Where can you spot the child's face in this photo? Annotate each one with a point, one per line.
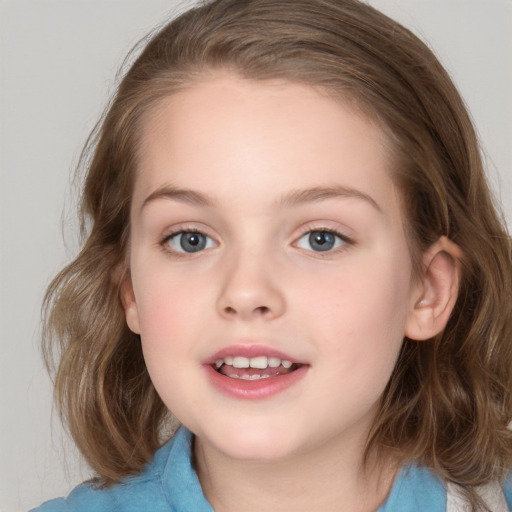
(293, 250)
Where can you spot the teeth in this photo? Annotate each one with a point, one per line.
(274, 362)
(260, 362)
(254, 377)
(240, 362)
(248, 377)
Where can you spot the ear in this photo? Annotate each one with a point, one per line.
(129, 303)
(437, 290)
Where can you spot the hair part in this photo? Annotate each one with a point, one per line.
(449, 401)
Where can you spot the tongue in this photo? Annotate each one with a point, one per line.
(241, 372)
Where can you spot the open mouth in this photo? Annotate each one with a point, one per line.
(254, 368)
(246, 374)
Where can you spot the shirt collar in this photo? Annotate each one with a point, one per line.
(179, 479)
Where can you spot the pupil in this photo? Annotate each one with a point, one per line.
(192, 242)
(321, 240)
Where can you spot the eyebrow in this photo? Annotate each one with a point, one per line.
(317, 194)
(181, 195)
(292, 198)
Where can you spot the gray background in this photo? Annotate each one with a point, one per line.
(58, 61)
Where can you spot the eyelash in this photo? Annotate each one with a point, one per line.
(165, 246)
(343, 241)
(346, 241)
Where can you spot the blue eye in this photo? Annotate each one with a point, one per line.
(189, 241)
(320, 241)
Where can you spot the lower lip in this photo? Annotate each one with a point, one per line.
(255, 389)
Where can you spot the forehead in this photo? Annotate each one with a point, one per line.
(227, 134)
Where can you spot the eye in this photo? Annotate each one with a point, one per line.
(321, 241)
(189, 241)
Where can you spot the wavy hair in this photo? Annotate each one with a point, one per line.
(449, 400)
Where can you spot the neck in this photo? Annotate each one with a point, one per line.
(332, 478)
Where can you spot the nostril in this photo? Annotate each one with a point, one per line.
(260, 310)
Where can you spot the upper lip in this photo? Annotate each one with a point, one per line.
(250, 351)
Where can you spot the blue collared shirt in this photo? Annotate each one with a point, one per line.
(170, 484)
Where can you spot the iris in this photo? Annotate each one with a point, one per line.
(192, 242)
(322, 240)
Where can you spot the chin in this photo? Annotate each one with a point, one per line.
(252, 444)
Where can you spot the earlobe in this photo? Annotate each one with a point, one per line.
(129, 304)
(437, 291)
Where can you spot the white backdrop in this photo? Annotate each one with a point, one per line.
(58, 60)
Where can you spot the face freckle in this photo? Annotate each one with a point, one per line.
(309, 326)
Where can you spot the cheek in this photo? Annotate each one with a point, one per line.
(168, 331)
(372, 296)
(169, 308)
(361, 312)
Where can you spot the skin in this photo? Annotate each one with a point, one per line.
(247, 150)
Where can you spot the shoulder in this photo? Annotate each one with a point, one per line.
(414, 487)
(507, 490)
(84, 497)
(139, 492)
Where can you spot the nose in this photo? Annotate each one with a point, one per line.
(250, 289)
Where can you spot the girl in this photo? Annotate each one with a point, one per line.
(292, 249)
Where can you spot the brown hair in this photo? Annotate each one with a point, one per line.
(449, 400)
